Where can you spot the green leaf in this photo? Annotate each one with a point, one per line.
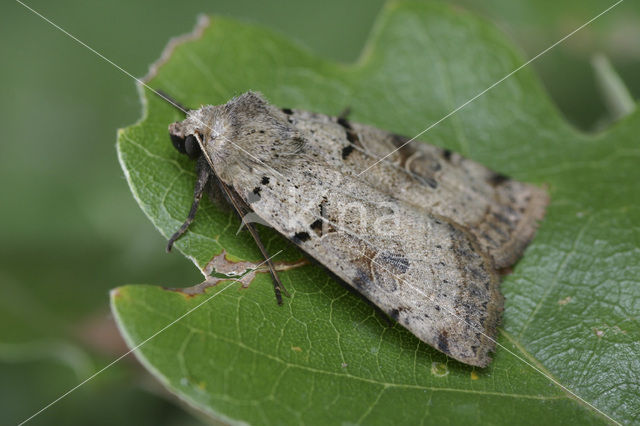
(327, 356)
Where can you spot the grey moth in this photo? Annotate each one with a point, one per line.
(421, 234)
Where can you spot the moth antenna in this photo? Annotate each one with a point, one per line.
(170, 99)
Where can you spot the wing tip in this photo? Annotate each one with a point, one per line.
(534, 212)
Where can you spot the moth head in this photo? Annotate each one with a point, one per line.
(183, 141)
(244, 131)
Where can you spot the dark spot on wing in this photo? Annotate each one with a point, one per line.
(362, 279)
(287, 111)
(316, 226)
(352, 137)
(404, 150)
(395, 263)
(443, 342)
(428, 181)
(253, 196)
(501, 218)
(399, 140)
(475, 272)
(394, 314)
(265, 180)
(498, 178)
(299, 142)
(346, 151)
(490, 240)
(344, 123)
(498, 230)
(300, 237)
(446, 154)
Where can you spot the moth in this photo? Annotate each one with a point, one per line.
(422, 234)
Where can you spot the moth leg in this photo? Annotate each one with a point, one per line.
(204, 173)
(278, 288)
(241, 208)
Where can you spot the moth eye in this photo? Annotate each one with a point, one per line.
(178, 143)
(192, 149)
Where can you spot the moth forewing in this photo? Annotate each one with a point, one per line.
(411, 236)
(429, 274)
(500, 212)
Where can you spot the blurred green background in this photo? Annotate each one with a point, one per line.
(69, 227)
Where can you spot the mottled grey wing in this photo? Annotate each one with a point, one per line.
(428, 273)
(500, 212)
(434, 280)
(424, 269)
